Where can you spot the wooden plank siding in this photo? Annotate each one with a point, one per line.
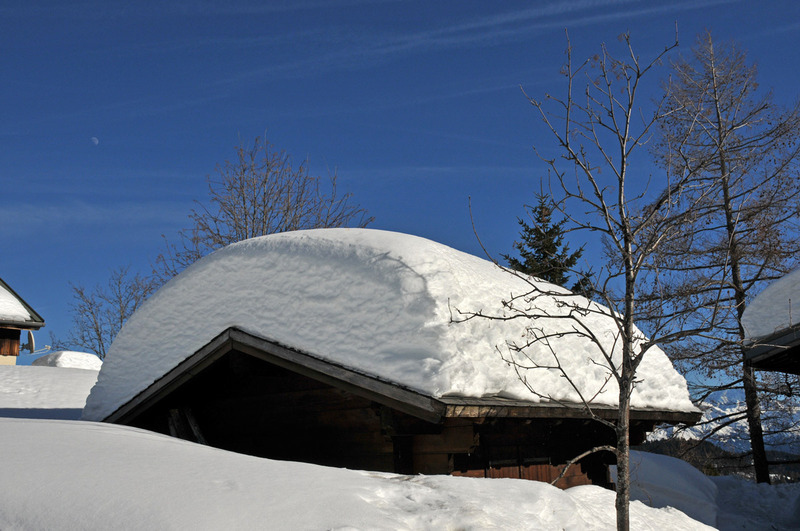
(9, 342)
(577, 474)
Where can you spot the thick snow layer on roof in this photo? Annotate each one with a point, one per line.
(376, 301)
(70, 359)
(775, 308)
(11, 309)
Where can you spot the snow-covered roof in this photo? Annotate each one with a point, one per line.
(774, 309)
(70, 360)
(375, 301)
(16, 312)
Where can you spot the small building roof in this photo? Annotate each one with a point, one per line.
(15, 312)
(772, 326)
(775, 309)
(379, 304)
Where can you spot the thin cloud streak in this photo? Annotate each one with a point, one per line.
(28, 219)
(424, 172)
(525, 25)
(92, 10)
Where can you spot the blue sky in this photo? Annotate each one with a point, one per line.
(114, 113)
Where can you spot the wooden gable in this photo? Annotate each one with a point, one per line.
(10, 328)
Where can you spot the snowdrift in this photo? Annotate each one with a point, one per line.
(70, 360)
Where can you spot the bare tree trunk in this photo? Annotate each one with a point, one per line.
(623, 499)
(753, 403)
(748, 377)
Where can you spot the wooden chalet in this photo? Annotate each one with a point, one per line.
(252, 395)
(337, 347)
(16, 316)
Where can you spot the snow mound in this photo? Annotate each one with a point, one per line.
(664, 481)
(776, 308)
(85, 475)
(44, 392)
(382, 303)
(11, 309)
(757, 506)
(69, 359)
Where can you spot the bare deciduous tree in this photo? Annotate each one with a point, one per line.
(99, 313)
(742, 152)
(598, 140)
(600, 129)
(259, 192)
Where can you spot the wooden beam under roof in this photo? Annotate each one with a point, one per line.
(379, 390)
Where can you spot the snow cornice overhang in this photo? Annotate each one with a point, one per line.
(380, 390)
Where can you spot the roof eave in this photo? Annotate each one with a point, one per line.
(34, 323)
(382, 391)
(22, 325)
(501, 407)
(776, 352)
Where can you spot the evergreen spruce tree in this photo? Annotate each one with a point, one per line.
(542, 250)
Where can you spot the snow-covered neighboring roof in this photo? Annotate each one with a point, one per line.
(15, 311)
(70, 360)
(375, 301)
(774, 309)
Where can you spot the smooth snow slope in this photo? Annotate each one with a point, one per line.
(380, 302)
(44, 392)
(86, 476)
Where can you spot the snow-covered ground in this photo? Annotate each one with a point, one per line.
(59, 474)
(84, 475)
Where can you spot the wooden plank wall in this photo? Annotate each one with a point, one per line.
(247, 405)
(536, 472)
(9, 342)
